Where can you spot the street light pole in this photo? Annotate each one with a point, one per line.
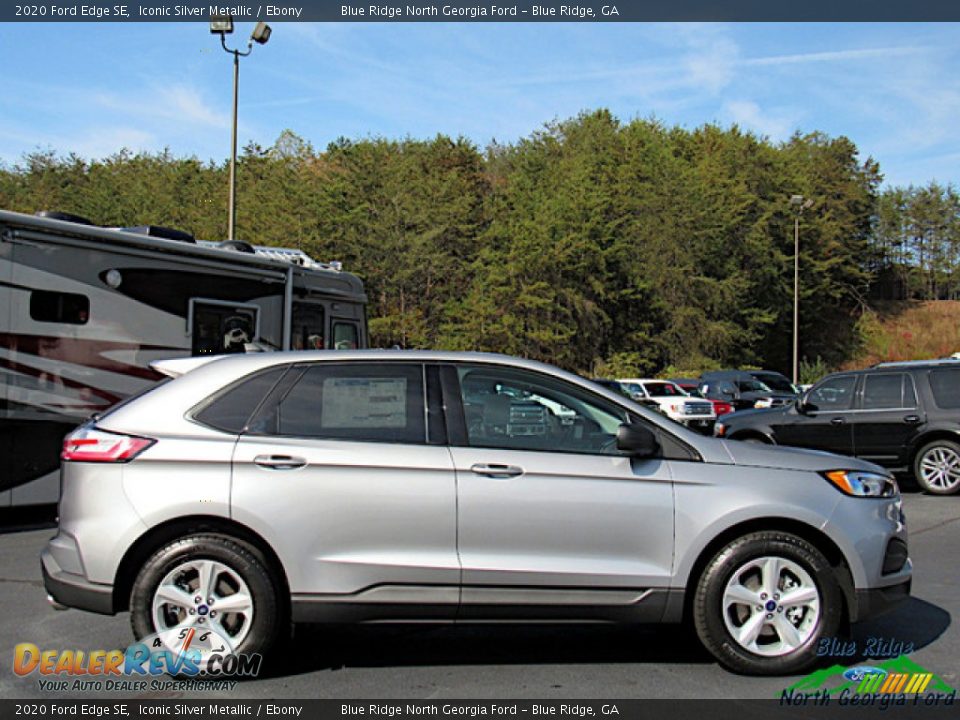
(801, 204)
(223, 26)
(796, 299)
(232, 210)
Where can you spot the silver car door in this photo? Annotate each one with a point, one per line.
(549, 513)
(341, 478)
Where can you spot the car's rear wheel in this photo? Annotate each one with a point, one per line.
(937, 467)
(764, 601)
(206, 583)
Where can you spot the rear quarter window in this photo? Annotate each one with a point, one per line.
(230, 409)
(945, 385)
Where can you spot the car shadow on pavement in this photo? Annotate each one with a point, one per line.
(25, 519)
(325, 647)
(321, 647)
(910, 627)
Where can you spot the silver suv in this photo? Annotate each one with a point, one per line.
(252, 491)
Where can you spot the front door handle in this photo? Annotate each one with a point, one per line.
(279, 462)
(837, 421)
(912, 419)
(497, 471)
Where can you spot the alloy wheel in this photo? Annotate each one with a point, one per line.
(205, 595)
(771, 606)
(940, 468)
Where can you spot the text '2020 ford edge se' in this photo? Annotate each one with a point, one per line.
(256, 490)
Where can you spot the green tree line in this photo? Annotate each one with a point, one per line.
(918, 243)
(599, 245)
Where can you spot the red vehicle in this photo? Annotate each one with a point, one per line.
(690, 385)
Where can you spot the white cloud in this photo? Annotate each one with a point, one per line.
(86, 142)
(186, 104)
(108, 140)
(832, 56)
(711, 65)
(749, 115)
(182, 103)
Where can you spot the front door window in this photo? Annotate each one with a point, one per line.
(506, 408)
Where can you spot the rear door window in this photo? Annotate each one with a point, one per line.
(882, 392)
(372, 402)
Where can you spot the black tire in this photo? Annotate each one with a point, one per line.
(708, 602)
(946, 445)
(269, 614)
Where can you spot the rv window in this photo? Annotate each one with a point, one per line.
(307, 328)
(345, 336)
(221, 329)
(57, 307)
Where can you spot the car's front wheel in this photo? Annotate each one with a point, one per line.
(208, 587)
(937, 467)
(764, 601)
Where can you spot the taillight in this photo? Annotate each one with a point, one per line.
(87, 444)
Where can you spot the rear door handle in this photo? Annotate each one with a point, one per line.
(279, 462)
(497, 471)
(912, 419)
(837, 421)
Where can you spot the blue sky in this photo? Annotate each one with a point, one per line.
(92, 88)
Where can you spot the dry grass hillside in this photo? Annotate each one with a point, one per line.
(909, 331)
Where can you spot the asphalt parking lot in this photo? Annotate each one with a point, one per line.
(507, 661)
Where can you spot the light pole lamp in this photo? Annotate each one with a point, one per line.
(800, 204)
(222, 25)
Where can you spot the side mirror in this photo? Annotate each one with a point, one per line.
(637, 440)
(804, 405)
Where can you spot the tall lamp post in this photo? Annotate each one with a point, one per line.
(223, 25)
(800, 204)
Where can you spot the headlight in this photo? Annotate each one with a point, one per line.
(859, 483)
(763, 403)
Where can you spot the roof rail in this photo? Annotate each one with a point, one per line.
(286, 255)
(161, 232)
(67, 217)
(915, 363)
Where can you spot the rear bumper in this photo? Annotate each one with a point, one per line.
(73, 590)
(877, 601)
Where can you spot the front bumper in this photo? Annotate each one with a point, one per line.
(75, 590)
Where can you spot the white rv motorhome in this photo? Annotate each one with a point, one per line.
(85, 309)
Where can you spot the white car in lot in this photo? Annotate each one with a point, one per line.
(672, 401)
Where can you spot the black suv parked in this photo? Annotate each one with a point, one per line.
(903, 416)
(745, 389)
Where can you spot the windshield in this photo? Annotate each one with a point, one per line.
(752, 386)
(778, 383)
(663, 389)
